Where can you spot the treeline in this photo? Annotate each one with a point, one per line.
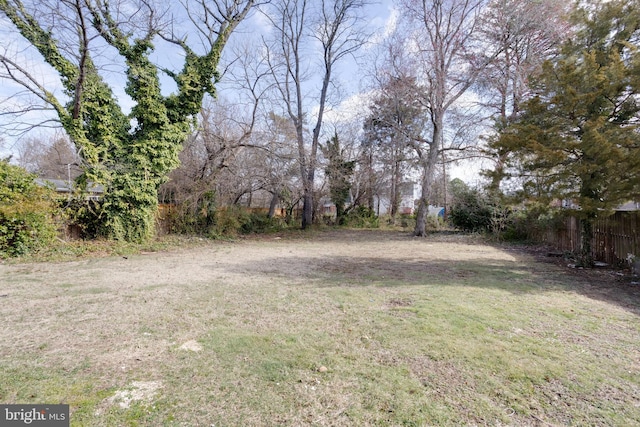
(544, 92)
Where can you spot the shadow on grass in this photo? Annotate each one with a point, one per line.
(522, 275)
(344, 271)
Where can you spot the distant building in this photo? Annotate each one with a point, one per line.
(66, 187)
(571, 204)
(629, 206)
(409, 193)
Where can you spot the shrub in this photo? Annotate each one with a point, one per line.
(27, 212)
(471, 212)
(197, 216)
(227, 222)
(220, 222)
(477, 211)
(362, 217)
(435, 223)
(408, 221)
(258, 222)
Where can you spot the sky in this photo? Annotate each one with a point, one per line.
(377, 14)
(381, 18)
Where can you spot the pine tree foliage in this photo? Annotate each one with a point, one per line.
(339, 172)
(396, 121)
(577, 138)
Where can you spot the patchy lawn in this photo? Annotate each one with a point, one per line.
(335, 328)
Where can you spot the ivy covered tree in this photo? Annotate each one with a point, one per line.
(577, 137)
(130, 153)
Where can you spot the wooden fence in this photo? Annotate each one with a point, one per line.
(613, 237)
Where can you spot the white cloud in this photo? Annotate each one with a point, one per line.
(257, 23)
(386, 24)
(353, 108)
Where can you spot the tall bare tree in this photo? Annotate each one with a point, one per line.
(443, 38)
(226, 126)
(49, 157)
(335, 26)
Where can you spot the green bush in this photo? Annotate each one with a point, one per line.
(362, 217)
(258, 222)
(195, 217)
(477, 211)
(27, 212)
(407, 221)
(471, 212)
(519, 227)
(532, 223)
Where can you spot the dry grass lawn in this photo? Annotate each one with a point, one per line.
(335, 328)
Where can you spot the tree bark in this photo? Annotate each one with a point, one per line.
(307, 209)
(586, 254)
(272, 206)
(429, 164)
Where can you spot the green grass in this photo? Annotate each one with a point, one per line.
(62, 251)
(405, 341)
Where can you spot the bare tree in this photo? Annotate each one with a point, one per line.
(279, 164)
(222, 129)
(49, 157)
(215, 156)
(526, 34)
(443, 40)
(334, 25)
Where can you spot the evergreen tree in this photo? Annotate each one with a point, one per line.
(396, 122)
(577, 137)
(339, 171)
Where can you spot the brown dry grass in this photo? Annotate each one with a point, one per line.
(440, 331)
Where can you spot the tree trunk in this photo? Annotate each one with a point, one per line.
(586, 255)
(423, 204)
(340, 214)
(307, 208)
(272, 206)
(307, 200)
(429, 166)
(395, 191)
(370, 191)
(131, 207)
